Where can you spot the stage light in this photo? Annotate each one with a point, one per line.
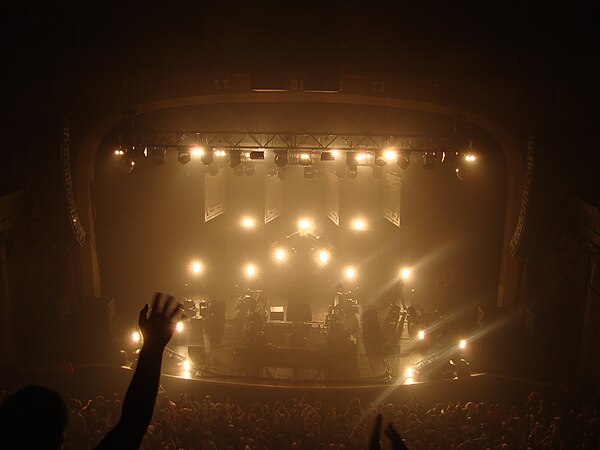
(390, 155)
(304, 225)
(350, 273)
(235, 158)
(324, 256)
(409, 372)
(327, 156)
(136, 337)
(469, 157)
(281, 158)
(360, 157)
(220, 153)
(461, 172)
(257, 154)
(158, 156)
(196, 267)
(421, 335)
(351, 158)
(197, 152)
(248, 222)
(405, 273)
(250, 270)
(309, 172)
(335, 153)
(358, 224)
(208, 157)
(126, 163)
(119, 152)
(280, 254)
(186, 365)
(304, 158)
(403, 162)
(179, 327)
(462, 344)
(184, 156)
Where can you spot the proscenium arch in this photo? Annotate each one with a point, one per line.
(89, 276)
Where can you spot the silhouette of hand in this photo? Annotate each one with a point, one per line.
(394, 437)
(157, 325)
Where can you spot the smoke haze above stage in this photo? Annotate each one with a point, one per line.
(151, 225)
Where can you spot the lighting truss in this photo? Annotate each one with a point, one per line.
(320, 142)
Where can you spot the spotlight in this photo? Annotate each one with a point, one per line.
(390, 155)
(324, 256)
(186, 365)
(409, 372)
(126, 163)
(380, 158)
(361, 157)
(280, 254)
(350, 273)
(470, 157)
(119, 152)
(309, 172)
(358, 224)
(248, 222)
(461, 172)
(249, 170)
(208, 157)
(405, 273)
(429, 161)
(250, 270)
(462, 344)
(421, 335)
(304, 225)
(196, 267)
(158, 156)
(304, 158)
(179, 327)
(403, 162)
(281, 158)
(220, 153)
(197, 151)
(136, 337)
(184, 156)
(235, 158)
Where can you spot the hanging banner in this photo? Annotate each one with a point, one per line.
(333, 197)
(273, 197)
(214, 195)
(391, 198)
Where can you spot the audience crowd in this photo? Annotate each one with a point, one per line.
(189, 422)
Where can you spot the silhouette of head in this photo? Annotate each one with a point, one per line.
(33, 417)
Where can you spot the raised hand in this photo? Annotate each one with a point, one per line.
(394, 437)
(157, 324)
